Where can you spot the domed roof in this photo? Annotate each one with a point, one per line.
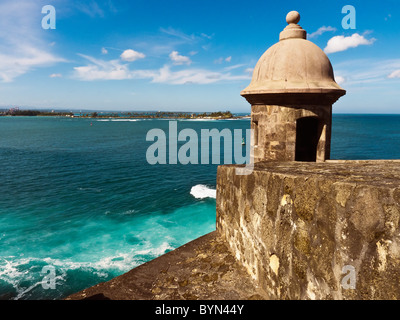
(293, 65)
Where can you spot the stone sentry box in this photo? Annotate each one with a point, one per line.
(291, 93)
(296, 226)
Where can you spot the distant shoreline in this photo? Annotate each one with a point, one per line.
(126, 115)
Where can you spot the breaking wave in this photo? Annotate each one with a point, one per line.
(201, 191)
(22, 279)
(118, 120)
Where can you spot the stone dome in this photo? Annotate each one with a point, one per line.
(293, 65)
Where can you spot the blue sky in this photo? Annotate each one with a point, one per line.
(186, 55)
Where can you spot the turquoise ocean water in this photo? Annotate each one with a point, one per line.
(78, 195)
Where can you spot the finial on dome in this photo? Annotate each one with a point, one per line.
(293, 17)
(293, 30)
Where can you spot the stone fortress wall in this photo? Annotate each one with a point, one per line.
(315, 230)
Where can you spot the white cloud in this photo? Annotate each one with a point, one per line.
(221, 60)
(104, 50)
(342, 43)
(204, 35)
(95, 8)
(24, 58)
(168, 40)
(102, 70)
(320, 31)
(177, 59)
(131, 55)
(236, 66)
(92, 9)
(193, 76)
(23, 47)
(394, 74)
(249, 71)
(55, 75)
(165, 75)
(340, 80)
(178, 34)
(368, 71)
(93, 72)
(98, 69)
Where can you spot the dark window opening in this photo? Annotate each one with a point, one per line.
(255, 132)
(307, 137)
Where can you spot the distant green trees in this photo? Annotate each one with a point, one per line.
(34, 113)
(150, 115)
(162, 115)
(218, 114)
(31, 113)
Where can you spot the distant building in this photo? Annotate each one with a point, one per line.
(13, 110)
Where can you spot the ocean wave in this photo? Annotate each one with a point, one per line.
(199, 119)
(22, 275)
(22, 278)
(90, 189)
(155, 252)
(201, 191)
(233, 119)
(116, 120)
(131, 211)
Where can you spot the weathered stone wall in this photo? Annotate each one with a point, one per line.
(274, 127)
(297, 227)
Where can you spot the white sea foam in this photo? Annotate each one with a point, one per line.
(197, 119)
(115, 120)
(18, 273)
(22, 292)
(30, 277)
(8, 269)
(235, 119)
(24, 274)
(131, 211)
(201, 191)
(163, 248)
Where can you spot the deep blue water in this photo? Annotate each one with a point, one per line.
(79, 195)
(365, 137)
